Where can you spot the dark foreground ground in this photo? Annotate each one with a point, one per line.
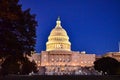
(38, 77)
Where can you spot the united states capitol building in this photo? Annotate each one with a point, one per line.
(59, 58)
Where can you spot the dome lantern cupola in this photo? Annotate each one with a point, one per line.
(58, 22)
(58, 38)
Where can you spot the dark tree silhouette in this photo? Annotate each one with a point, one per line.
(10, 66)
(17, 35)
(107, 64)
(31, 67)
(118, 69)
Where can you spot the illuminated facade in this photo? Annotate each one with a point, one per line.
(58, 57)
(115, 55)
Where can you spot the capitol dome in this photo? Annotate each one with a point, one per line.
(58, 38)
(58, 31)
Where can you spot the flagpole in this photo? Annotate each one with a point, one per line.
(119, 46)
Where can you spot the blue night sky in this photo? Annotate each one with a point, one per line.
(92, 25)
